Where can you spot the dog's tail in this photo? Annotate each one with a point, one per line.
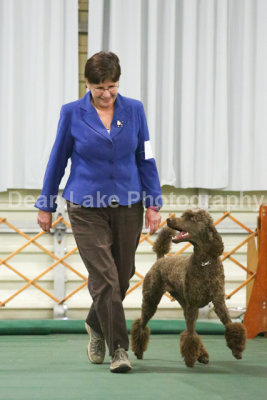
(163, 243)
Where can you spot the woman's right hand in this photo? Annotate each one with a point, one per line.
(44, 219)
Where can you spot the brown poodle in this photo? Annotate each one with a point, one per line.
(193, 280)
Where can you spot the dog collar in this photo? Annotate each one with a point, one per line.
(204, 264)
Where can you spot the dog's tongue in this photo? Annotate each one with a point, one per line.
(182, 235)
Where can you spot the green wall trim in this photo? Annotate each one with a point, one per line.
(46, 327)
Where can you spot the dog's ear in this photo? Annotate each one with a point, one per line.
(216, 246)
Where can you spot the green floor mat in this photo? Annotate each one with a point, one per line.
(56, 367)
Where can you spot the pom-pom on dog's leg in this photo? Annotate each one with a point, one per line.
(139, 338)
(235, 334)
(190, 346)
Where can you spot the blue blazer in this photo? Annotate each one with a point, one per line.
(104, 166)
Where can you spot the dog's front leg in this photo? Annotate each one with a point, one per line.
(190, 343)
(235, 332)
(221, 310)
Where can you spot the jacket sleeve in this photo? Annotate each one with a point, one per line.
(58, 159)
(146, 165)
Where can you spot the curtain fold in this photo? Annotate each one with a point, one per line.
(38, 73)
(199, 66)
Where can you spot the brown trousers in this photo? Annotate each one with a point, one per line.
(107, 239)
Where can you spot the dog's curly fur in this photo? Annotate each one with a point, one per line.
(193, 280)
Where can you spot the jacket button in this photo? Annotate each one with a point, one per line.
(111, 161)
(111, 176)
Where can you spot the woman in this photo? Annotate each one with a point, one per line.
(113, 173)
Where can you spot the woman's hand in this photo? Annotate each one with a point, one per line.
(152, 219)
(44, 219)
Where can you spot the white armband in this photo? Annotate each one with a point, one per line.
(148, 150)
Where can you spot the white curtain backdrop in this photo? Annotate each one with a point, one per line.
(200, 68)
(38, 73)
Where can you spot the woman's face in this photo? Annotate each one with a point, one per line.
(103, 94)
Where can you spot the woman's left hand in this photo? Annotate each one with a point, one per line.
(152, 220)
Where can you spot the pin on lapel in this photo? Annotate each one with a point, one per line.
(119, 124)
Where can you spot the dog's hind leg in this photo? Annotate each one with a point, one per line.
(152, 292)
(190, 343)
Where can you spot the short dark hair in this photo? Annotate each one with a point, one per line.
(102, 66)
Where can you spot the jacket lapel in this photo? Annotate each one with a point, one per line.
(91, 118)
(120, 117)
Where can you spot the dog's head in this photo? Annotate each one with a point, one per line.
(197, 228)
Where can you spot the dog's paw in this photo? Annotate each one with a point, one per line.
(235, 334)
(190, 346)
(139, 356)
(237, 354)
(204, 358)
